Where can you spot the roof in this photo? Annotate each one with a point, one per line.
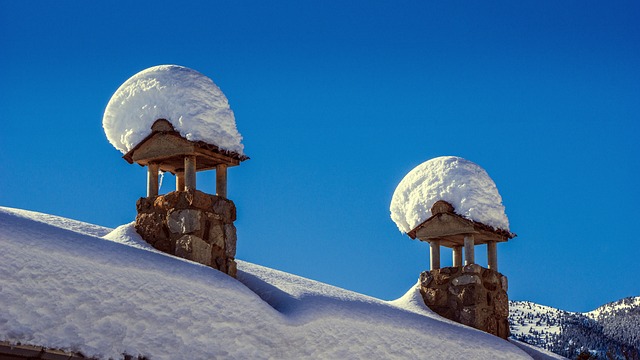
(450, 228)
(168, 148)
(19, 351)
(112, 295)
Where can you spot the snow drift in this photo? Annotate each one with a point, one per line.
(62, 286)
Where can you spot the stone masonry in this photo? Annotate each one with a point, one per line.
(192, 225)
(471, 295)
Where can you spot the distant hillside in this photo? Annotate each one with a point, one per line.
(612, 331)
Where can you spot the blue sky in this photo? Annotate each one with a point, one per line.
(336, 103)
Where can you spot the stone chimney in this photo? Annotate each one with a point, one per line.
(466, 293)
(186, 222)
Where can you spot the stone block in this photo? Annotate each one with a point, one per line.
(468, 316)
(490, 279)
(184, 247)
(177, 200)
(217, 252)
(216, 233)
(441, 279)
(225, 209)
(160, 204)
(220, 263)
(503, 330)
(144, 205)
(230, 239)
(425, 279)
(214, 216)
(501, 304)
(504, 282)
(184, 221)
(455, 304)
(232, 268)
(489, 275)
(202, 201)
(489, 286)
(435, 297)
(472, 295)
(151, 227)
(444, 311)
(490, 325)
(455, 290)
(472, 269)
(164, 246)
(201, 251)
(466, 279)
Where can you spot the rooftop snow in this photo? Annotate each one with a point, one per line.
(193, 104)
(62, 287)
(460, 182)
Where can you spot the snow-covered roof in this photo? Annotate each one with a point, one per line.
(64, 287)
(460, 182)
(194, 105)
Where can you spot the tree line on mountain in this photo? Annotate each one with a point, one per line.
(614, 334)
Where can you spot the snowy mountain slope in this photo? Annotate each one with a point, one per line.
(530, 318)
(620, 321)
(611, 331)
(63, 288)
(625, 305)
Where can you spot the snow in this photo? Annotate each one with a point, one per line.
(527, 316)
(412, 301)
(609, 328)
(609, 309)
(536, 352)
(127, 234)
(65, 287)
(460, 182)
(194, 105)
(58, 221)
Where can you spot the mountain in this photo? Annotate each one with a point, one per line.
(611, 331)
(104, 293)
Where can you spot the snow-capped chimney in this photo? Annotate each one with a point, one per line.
(452, 202)
(173, 119)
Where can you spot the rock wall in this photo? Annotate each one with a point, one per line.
(471, 295)
(192, 225)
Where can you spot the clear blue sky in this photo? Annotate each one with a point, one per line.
(337, 101)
